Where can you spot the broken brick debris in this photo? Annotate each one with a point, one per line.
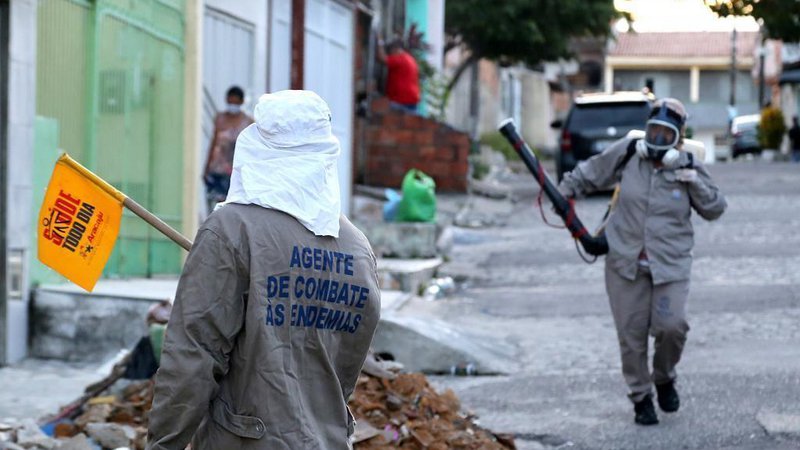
(398, 411)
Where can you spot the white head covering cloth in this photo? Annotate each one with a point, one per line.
(287, 160)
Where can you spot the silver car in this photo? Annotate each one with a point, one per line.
(744, 135)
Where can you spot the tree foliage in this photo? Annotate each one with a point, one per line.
(780, 18)
(528, 31)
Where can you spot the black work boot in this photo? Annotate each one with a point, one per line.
(668, 399)
(645, 412)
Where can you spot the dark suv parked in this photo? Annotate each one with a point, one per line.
(595, 121)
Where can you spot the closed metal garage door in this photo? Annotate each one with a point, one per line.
(328, 70)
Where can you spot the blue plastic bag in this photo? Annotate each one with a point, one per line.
(392, 203)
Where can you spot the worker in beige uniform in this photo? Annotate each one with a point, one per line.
(650, 239)
(278, 301)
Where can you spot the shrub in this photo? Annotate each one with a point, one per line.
(498, 143)
(771, 128)
(479, 168)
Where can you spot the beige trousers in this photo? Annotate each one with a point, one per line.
(639, 308)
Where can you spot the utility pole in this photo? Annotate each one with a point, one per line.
(298, 43)
(475, 100)
(732, 101)
(761, 53)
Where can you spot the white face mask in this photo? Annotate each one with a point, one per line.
(233, 108)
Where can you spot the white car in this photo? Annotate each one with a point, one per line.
(744, 135)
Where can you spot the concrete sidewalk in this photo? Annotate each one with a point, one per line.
(36, 387)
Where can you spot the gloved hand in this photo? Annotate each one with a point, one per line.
(565, 191)
(686, 175)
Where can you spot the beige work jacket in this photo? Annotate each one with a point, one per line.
(270, 328)
(653, 213)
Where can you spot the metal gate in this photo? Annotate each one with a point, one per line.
(111, 73)
(228, 55)
(329, 43)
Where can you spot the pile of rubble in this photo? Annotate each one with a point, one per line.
(404, 411)
(392, 411)
(117, 421)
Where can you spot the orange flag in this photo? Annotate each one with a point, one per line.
(78, 223)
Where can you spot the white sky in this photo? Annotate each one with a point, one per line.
(678, 15)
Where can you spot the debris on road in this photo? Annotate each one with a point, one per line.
(392, 410)
(406, 412)
(106, 422)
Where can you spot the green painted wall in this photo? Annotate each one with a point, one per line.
(110, 73)
(45, 153)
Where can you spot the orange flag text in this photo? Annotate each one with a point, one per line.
(78, 223)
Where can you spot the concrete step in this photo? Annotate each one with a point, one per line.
(427, 344)
(71, 324)
(401, 239)
(408, 275)
(392, 300)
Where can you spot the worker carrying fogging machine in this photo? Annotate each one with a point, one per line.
(660, 182)
(596, 244)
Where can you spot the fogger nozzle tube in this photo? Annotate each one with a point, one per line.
(593, 245)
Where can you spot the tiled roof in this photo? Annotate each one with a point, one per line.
(683, 44)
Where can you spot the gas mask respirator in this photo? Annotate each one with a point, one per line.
(662, 135)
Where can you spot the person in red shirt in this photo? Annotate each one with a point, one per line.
(402, 80)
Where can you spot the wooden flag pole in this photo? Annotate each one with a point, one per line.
(157, 223)
(129, 203)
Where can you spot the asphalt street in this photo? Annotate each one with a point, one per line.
(523, 283)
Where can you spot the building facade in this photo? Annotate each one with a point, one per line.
(790, 82)
(694, 67)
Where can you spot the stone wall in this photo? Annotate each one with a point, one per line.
(399, 141)
(76, 327)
